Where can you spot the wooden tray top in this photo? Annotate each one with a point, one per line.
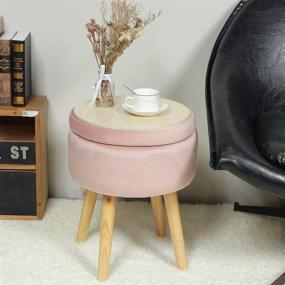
(117, 118)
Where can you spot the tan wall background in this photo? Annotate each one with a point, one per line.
(172, 56)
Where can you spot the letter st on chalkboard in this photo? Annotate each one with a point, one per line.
(17, 153)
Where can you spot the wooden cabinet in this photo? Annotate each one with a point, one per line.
(23, 160)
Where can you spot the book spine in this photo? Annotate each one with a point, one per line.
(18, 73)
(5, 72)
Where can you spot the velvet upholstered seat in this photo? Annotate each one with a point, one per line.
(143, 162)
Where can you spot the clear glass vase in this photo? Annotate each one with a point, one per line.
(107, 92)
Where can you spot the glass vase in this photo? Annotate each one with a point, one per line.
(107, 92)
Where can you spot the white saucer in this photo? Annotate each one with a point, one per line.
(162, 107)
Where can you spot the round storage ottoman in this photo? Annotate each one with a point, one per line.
(117, 154)
(127, 171)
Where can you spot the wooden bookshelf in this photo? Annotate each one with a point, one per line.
(23, 160)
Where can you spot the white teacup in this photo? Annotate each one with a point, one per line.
(144, 100)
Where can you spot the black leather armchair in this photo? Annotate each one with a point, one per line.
(245, 79)
(245, 95)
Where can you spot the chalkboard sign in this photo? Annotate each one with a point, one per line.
(18, 193)
(17, 152)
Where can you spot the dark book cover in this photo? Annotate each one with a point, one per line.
(21, 69)
(5, 68)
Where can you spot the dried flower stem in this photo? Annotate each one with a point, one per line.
(122, 24)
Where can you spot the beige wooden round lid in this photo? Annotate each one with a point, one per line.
(113, 125)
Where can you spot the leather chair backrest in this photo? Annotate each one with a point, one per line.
(246, 73)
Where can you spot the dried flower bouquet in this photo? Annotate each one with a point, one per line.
(122, 24)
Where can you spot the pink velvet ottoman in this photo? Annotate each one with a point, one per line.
(117, 154)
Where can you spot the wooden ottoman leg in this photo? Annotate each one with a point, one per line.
(176, 231)
(86, 215)
(157, 207)
(106, 233)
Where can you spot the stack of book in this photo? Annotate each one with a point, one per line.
(15, 68)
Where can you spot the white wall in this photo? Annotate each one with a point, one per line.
(172, 56)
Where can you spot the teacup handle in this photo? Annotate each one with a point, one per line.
(127, 100)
